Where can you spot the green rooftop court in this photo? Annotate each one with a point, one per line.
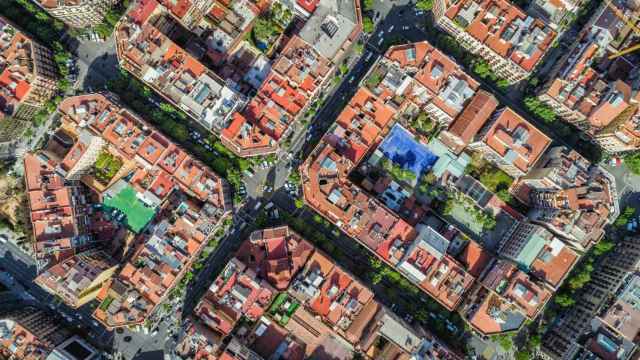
(123, 197)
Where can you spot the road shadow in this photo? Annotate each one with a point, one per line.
(150, 355)
(100, 71)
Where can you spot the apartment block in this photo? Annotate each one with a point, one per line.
(510, 41)
(29, 333)
(28, 73)
(303, 305)
(534, 248)
(571, 197)
(593, 92)
(419, 251)
(147, 53)
(247, 97)
(565, 339)
(78, 13)
(58, 215)
(78, 279)
(505, 298)
(135, 173)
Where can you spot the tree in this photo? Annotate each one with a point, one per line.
(505, 341)
(633, 162)
(564, 300)
(367, 25)
(522, 355)
(299, 203)
(425, 5)
(624, 218)
(367, 5)
(602, 247)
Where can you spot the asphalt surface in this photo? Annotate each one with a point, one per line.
(396, 21)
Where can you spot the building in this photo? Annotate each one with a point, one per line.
(78, 13)
(434, 82)
(468, 123)
(81, 158)
(293, 82)
(150, 55)
(58, 212)
(137, 174)
(237, 292)
(505, 299)
(510, 41)
(276, 254)
(571, 197)
(331, 26)
(303, 305)
(27, 333)
(28, 73)
(74, 348)
(227, 25)
(510, 142)
(563, 339)
(78, 279)
(622, 318)
(532, 247)
(593, 92)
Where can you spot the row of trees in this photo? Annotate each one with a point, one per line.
(581, 274)
(539, 109)
(174, 123)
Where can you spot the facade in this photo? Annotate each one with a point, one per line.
(78, 13)
(562, 339)
(534, 248)
(27, 333)
(592, 92)
(571, 197)
(510, 41)
(78, 279)
(58, 215)
(28, 73)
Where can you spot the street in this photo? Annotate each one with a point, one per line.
(396, 21)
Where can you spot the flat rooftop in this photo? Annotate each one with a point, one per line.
(137, 214)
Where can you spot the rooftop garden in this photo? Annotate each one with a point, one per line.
(106, 167)
(494, 179)
(283, 308)
(268, 26)
(105, 304)
(398, 174)
(465, 211)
